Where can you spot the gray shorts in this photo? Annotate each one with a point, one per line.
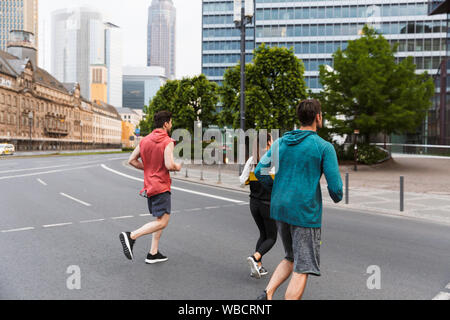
(302, 247)
(160, 204)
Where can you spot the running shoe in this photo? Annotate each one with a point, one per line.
(127, 244)
(263, 271)
(254, 269)
(262, 296)
(151, 259)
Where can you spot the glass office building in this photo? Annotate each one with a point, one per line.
(18, 15)
(315, 29)
(140, 85)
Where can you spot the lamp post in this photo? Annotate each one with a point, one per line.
(243, 15)
(81, 127)
(30, 120)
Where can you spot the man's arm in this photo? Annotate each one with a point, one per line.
(168, 158)
(332, 174)
(134, 159)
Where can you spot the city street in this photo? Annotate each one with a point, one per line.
(58, 212)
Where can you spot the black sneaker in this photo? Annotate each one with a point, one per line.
(157, 258)
(263, 296)
(127, 244)
(254, 269)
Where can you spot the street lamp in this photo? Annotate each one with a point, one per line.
(30, 118)
(243, 15)
(81, 127)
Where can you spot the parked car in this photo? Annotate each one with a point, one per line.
(6, 149)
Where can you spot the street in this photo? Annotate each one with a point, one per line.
(58, 212)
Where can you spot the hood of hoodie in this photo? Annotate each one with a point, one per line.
(297, 136)
(159, 135)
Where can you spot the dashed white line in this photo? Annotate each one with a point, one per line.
(57, 225)
(18, 230)
(41, 182)
(442, 296)
(124, 217)
(192, 210)
(447, 287)
(145, 215)
(209, 208)
(75, 199)
(94, 220)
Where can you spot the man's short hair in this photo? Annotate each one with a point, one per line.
(307, 111)
(161, 118)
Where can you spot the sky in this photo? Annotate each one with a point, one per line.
(131, 16)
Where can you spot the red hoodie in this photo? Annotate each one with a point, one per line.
(156, 176)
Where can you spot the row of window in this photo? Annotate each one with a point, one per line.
(418, 27)
(226, 32)
(332, 12)
(329, 47)
(226, 45)
(225, 58)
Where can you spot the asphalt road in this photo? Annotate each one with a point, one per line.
(68, 211)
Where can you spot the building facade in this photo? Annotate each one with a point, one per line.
(161, 36)
(140, 85)
(37, 112)
(78, 41)
(18, 15)
(113, 62)
(316, 29)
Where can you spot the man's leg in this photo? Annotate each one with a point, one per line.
(158, 225)
(282, 272)
(155, 242)
(296, 287)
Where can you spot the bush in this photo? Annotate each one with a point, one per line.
(367, 154)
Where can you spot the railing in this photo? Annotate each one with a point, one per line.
(416, 149)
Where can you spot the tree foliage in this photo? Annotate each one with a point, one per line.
(188, 99)
(370, 92)
(274, 87)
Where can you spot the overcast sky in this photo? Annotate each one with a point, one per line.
(131, 16)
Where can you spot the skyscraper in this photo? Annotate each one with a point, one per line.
(78, 42)
(113, 61)
(18, 15)
(161, 37)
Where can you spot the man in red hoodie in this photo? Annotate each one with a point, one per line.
(156, 152)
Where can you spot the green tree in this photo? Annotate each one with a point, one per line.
(188, 99)
(368, 91)
(274, 87)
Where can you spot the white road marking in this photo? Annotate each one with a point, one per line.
(175, 211)
(145, 215)
(75, 199)
(57, 225)
(192, 210)
(94, 220)
(41, 182)
(442, 296)
(124, 217)
(448, 287)
(173, 188)
(17, 230)
(209, 208)
(45, 172)
(32, 169)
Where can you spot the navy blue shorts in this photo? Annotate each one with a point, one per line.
(160, 204)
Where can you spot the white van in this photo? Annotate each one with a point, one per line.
(6, 149)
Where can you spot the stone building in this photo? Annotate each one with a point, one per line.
(37, 112)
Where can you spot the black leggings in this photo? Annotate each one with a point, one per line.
(267, 227)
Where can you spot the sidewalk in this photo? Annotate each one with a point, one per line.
(373, 189)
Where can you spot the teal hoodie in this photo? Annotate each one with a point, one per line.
(300, 158)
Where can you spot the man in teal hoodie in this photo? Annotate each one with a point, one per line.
(300, 159)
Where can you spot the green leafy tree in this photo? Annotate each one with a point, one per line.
(188, 99)
(368, 91)
(274, 87)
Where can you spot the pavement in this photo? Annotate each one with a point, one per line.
(372, 188)
(61, 214)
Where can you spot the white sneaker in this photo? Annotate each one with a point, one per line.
(254, 269)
